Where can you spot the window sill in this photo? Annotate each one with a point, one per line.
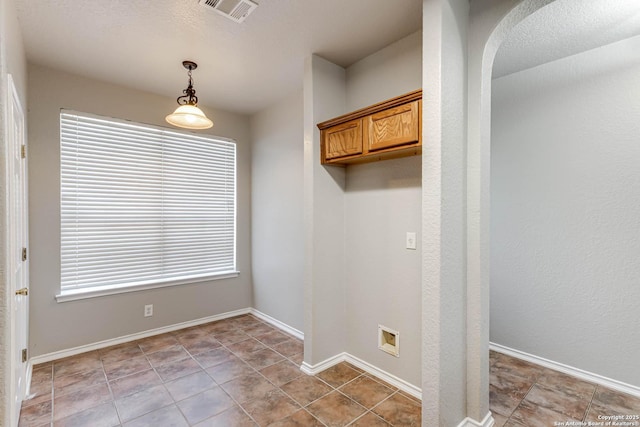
(100, 292)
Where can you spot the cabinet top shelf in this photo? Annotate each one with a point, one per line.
(390, 103)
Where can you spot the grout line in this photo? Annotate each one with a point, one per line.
(593, 395)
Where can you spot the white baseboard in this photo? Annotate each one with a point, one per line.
(325, 364)
(365, 366)
(488, 421)
(133, 337)
(570, 370)
(278, 324)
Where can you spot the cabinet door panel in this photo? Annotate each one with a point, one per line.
(393, 127)
(343, 140)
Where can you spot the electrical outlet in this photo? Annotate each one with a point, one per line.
(148, 310)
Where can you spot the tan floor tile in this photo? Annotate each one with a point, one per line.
(596, 412)
(300, 418)
(370, 420)
(282, 372)
(79, 401)
(263, 358)
(273, 406)
(167, 416)
(214, 357)
(297, 358)
(509, 384)
(354, 367)
(260, 329)
(200, 344)
(43, 365)
(178, 369)
(499, 420)
(158, 342)
(230, 337)
(75, 364)
(190, 385)
(205, 405)
(42, 373)
(39, 392)
(616, 401)
(246, 321)
(335, 409)
(69, 383)
(289, 347)
(143, 402)
(248, 387)
(566, 384)
(338, 375)
(532, 415)
(366, 391)
(399, 410)
(516, 367)
(383, 382)
(120, 352)
(104, 415)
(246, 347)
(36, 414)
(306, 389)
(493, 357)
(134, 383)
(167, 355)
(220, 326)
(272, 338)
(501, 403)
(189, 334)
(227, 371)
(123, 368)
(559, 401)
(234, 416)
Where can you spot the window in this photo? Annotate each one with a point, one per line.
(143, 206)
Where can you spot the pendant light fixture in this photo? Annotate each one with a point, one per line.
(188, 115)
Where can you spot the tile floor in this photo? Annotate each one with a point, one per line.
(234, 372)
(244, 372)
(524, 394)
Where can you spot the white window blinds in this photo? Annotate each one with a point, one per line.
(142, 205)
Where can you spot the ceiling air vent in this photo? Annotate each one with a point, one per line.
(236, 10)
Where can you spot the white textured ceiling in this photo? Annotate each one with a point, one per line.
(564, 28)
(241, 67)
(246, 67)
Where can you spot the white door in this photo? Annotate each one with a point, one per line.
(17, 266)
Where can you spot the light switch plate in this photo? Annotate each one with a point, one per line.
(411, 240)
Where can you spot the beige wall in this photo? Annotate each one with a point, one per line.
(383, 203)
(565, 203)
(324, 273)
(57, 326)
(358, 272)
(276, 210)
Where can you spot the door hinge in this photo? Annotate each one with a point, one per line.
(24, 355)
(24, 254)
(23, 151)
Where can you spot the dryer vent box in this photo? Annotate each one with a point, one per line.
(389, 340)
(236, 10)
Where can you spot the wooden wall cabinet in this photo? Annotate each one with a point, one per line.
(386, 130)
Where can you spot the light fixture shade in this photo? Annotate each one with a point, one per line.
(189, 117)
